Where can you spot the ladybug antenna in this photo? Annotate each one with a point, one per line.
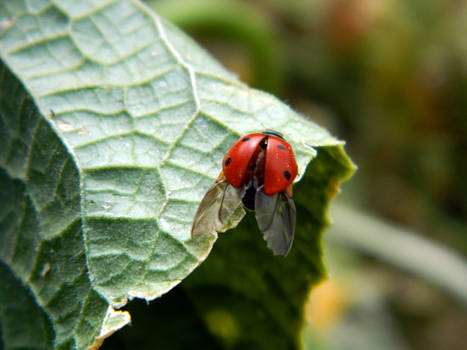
(273, 133)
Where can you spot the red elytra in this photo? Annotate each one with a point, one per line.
(244, 159)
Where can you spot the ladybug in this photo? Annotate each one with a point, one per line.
(257, 174)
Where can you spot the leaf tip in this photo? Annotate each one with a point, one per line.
(113, 321)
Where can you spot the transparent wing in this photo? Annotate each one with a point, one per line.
(276, 216)
(220, 209)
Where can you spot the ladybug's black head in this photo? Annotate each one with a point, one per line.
(273, 133)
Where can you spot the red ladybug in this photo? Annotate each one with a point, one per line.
(258, 171)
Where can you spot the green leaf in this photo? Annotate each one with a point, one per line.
(112, 127)
(17, 302)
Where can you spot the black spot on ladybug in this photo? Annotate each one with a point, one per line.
(281, 147)
(246, 139)
(287, 175)
(227, 162)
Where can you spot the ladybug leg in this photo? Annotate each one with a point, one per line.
(289, 190)
(220, 177)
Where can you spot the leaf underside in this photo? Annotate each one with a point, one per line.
(112, 127)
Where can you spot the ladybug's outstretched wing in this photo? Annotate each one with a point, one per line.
(275, 216)
(220, 209)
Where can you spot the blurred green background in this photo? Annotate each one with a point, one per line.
(390, 78)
